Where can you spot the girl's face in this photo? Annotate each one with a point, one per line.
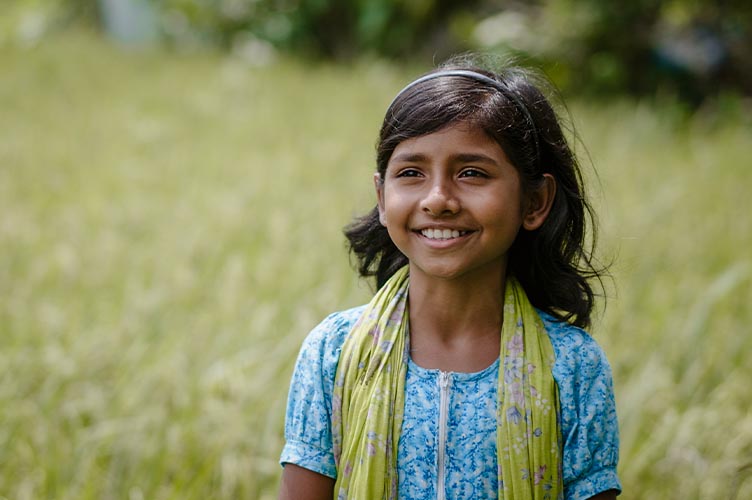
(453, 203)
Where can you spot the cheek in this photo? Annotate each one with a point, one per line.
(395, 216)
(393, 204)
(500, 213)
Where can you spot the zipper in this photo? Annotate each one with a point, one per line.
(445, 380)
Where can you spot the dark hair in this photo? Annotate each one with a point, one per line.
(553, 263)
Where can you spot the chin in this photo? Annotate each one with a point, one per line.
(448, 271)
(439, 272)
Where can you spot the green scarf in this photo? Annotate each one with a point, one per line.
(369, 399)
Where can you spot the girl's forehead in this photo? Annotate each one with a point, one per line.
(457, 135)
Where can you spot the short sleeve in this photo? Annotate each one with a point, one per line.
(308, 436)
(589, 425)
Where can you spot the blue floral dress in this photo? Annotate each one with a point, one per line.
(588, 417)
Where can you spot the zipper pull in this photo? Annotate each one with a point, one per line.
(444, 379)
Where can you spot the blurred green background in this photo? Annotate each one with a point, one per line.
(685, 48)
(174, 176)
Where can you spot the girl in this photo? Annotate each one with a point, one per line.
(468, 375)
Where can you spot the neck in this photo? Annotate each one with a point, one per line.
(452, 309)
(455, 324)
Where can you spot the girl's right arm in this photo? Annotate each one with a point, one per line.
(302, 484)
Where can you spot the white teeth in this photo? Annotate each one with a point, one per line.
(441, 234)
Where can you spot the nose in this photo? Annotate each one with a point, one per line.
(440, 200)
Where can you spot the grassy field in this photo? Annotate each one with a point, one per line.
(170, 229)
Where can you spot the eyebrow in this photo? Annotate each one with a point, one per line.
(459, 158)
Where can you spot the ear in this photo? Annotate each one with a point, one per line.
(379, 185)
(539, 203)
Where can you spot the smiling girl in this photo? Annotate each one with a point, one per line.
(468, 375)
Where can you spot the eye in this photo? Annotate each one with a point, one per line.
(473, 172)
(408, 172)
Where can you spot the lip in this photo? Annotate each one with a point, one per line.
(442, 227)
(443, 243)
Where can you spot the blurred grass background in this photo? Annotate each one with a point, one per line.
(170, 230)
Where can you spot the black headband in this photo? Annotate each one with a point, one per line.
(481, 78)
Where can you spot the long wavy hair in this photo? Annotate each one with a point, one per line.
(554, 263)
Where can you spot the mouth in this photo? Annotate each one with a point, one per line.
(442, 234)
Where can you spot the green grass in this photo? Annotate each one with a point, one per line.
(170, 229)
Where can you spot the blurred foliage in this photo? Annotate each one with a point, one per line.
(339, 29)
(687, 48)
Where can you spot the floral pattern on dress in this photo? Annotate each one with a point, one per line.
(587, 417)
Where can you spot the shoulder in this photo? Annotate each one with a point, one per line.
(321, 348)
(577, 353)
(581, 369)
(330, 334)
(317, 361)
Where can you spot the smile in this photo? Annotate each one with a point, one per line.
(442, 234)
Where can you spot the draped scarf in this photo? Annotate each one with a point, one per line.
(369, 399)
